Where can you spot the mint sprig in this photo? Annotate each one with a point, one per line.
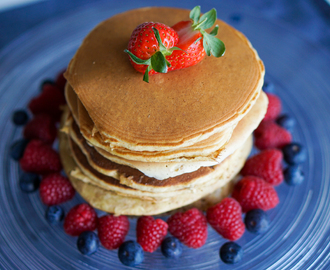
(157, 61)
(212, 45)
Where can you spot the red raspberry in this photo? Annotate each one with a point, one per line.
(48, 102)
(150, 232)
(60, 80)
(55, 189)
(266, 165)
(226, 218)
(255, 193)
(41, 127)
(80, 218)
(40, 158)
(112, 230)
(274, 107)
(189, 227)
(270, 135)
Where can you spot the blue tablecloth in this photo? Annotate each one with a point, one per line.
(311, 18)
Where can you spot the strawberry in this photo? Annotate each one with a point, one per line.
(226, 218)
(40, 158)
(55, 189)
(274, 107)
(48, 102)
(150, 53)
(80, 218)
(112, 230)
(189, 227)
(150, 232)
(148, 45)
(266, 165)
(254, 193)
(41, 127)
(194, 41)
(270, 135)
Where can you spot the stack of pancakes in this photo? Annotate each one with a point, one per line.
(136, 148)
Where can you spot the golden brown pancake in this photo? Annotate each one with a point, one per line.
(174, 110)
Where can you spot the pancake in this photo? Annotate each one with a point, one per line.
(165, 170)
(121, 204)
(178, 109)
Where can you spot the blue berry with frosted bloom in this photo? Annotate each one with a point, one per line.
(293, 175)
(130, 253)
(231, 253)
(256, 221)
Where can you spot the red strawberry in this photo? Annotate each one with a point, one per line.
(41, 127)
(80, 218)
(60, 80)
(270, 135)
(189, 227)
(145, 48)
(48, 102)
(274, 107)
(112, 230)
(150, 54)
(226, 218)
(254, 193)
(266, 165)
(55, 189)
(40, 158)
(150, 232)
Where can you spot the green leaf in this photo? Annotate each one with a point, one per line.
(160, 43)
(146, 74)
(209, 19)
(158, 62)
(195, 13)
(214, 32)
(206, 47)
(215, 45)
(136, 59)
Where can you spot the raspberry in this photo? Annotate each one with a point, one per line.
(60, 80)
(274, 107)
(55, 189)
(112, 230)
(226, 218)
(80, 218)
(189, 227)
(266, 165)
(41, 127)
(40, 158)
(255, 193)
(48, 102)
(270, 135)
(150, 232)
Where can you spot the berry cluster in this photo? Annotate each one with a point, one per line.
(252, 196)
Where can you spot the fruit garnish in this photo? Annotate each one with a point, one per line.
(148, 46)
(231, 253)
(150, 53)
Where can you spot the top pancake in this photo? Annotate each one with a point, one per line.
(175, 109)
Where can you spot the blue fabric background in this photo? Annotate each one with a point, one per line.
(311, 18)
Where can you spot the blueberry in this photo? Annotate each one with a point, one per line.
(171, 247)
(256, 221)
(130, 253)
(286, 122)
(88, 242)
(268, 87)
(46, 81)
(293, 175)
(294, 153)
(231, 253)
(16, 150)
(20, 117)
(29, 182)
(54, 214)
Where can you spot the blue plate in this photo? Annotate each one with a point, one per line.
(299, 233)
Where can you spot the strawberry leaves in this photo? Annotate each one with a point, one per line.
(212, 45)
